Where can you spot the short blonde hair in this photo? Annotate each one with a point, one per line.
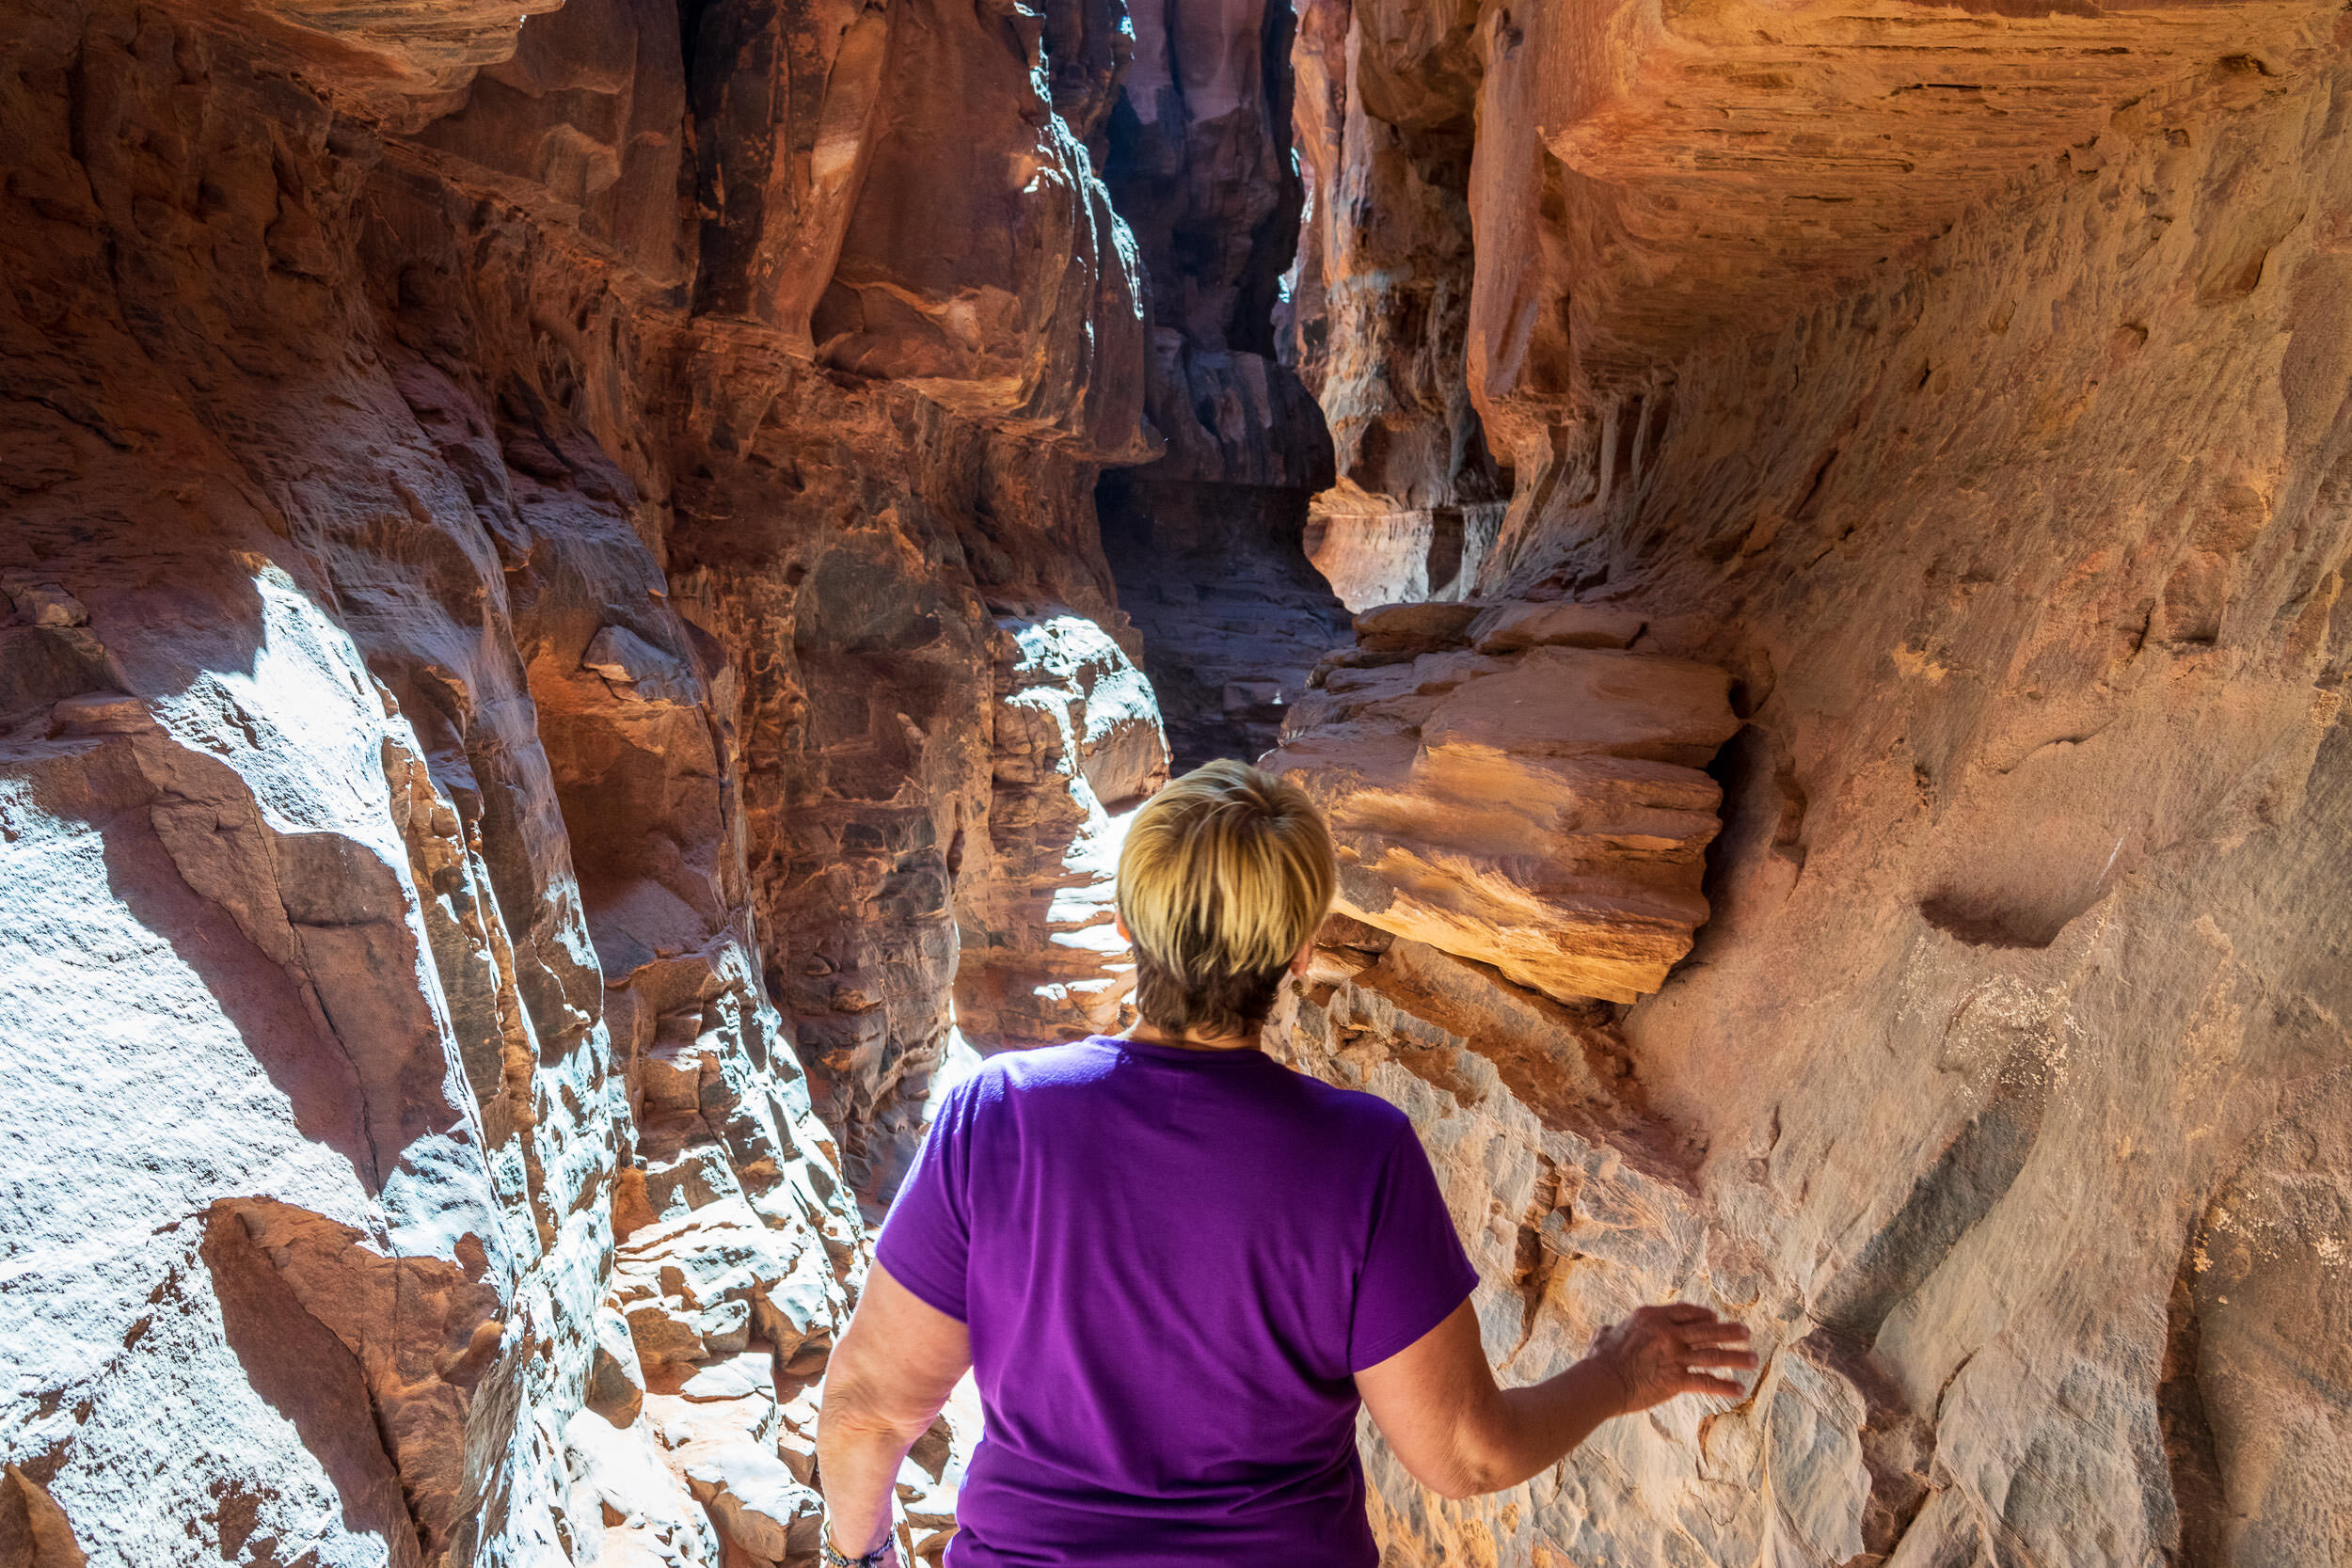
(1225, 875)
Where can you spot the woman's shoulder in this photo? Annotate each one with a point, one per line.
(1364, 1114)
(1014, 1086)
(1038, 1069)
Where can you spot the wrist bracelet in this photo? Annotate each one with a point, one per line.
(881, 1557)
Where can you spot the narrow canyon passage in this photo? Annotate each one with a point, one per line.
(589, 588)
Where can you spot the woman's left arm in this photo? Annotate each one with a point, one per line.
(889, 1376)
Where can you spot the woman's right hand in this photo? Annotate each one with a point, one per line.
(1436, 1403)
(1659, 1352)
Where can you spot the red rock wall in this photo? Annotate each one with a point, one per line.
(1384, 125)
(522, 554)
(1204, 541)
(1978, 405)
(554, 576)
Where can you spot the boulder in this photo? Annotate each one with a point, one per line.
(1561, 623)
(1544, 813)
(1415, 628)
(616, 1383)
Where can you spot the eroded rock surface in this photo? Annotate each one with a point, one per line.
(1541, 808)
(1205, 542)
(1385, 120)
(399, 1038)
(1986, 426)
(472, 649)
(554, 574)
(1080, 747)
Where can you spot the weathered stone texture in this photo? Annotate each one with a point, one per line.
(1385, 116)
(857, 548)
(1078, 748)
(552, 573)
(1542, 809)
(982, 265)
(467, 648)
(2002, 473)
(1205, 542)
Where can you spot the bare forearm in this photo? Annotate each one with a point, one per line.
(1436, 1402)
(857, 1463)
(1532, 1429)
(888, 1378)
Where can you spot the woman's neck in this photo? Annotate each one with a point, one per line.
(1147, 1034)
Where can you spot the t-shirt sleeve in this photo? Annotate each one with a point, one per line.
(926, 1238)
(1414, 1271)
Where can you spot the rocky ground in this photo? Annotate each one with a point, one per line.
(588, 593)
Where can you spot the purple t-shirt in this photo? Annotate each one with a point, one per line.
(1171, 1262)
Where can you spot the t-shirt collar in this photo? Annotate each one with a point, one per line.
(1184, 1054)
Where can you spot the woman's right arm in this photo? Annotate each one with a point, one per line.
(1457, 1434)
(886, 1383)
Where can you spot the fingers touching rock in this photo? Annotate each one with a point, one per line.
(1657, 1354)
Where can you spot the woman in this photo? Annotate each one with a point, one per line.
(1178, 1267)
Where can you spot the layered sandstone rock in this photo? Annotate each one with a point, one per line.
(472, 646)
(1385, 113)
(1078, 748)
(860, 546)
(1539, 807)
(1205, 541)
(398, 1028)
(1985, 424)
(552, 570)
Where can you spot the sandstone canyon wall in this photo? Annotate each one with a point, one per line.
(1386, 132)
(1205, 541)
(1968, 392)
(567, 626)
(549, 565)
